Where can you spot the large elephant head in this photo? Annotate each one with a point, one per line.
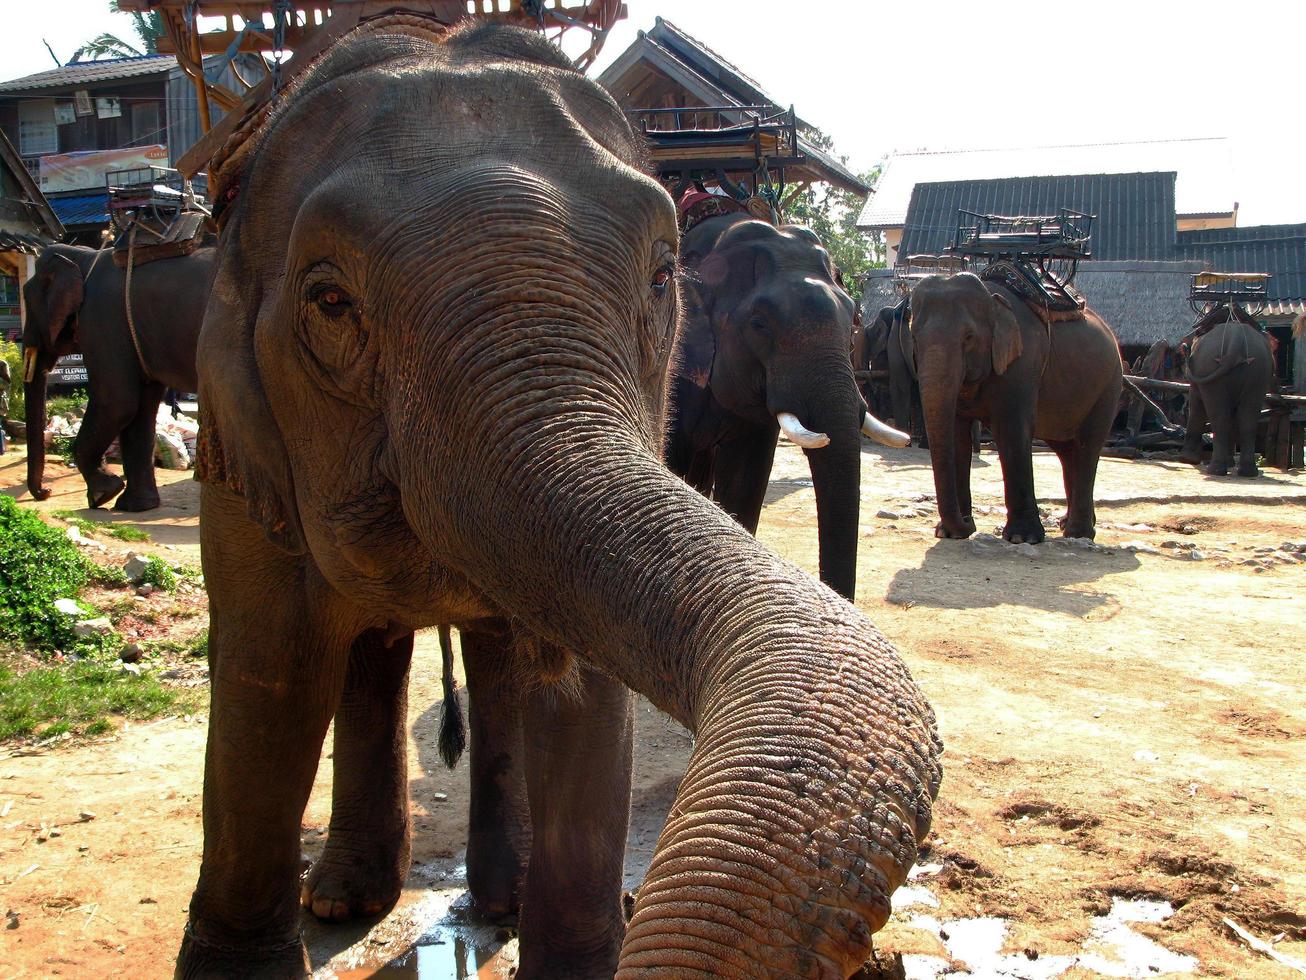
(52, 299)
(778, 324)
(959, 336)
(434, 358)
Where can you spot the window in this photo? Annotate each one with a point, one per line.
(37, 132)
(146, 124)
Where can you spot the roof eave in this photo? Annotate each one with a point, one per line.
(10, 158)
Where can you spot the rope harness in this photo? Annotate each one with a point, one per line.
(127, 300)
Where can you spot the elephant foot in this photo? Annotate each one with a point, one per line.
(102, 488)
(965, 529)
(495, 890)
(1249, 471)
(1024, 530)
(1193, 456)
(1078, 529)
(199, 958)
(136, 502)
(1217, 469)
(352, 881)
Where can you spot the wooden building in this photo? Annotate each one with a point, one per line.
(27, 224)
(73, 124)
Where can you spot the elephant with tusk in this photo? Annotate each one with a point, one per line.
(764, 350)
(433, 376)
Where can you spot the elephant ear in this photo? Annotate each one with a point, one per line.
(1006, 334)
(240, 445)
(906, 342)
(57, 290)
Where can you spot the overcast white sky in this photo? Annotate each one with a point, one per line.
(884, 76)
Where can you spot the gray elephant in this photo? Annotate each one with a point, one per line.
(885, 333)
(763, 348)
(982, 353)
(433, 382)
(1230, 369)
(76, 300)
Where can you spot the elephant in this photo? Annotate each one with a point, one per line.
(763, 348)
(885, 334)
(982, 353)
(433, 389)
(75, 301)
(1230, 370)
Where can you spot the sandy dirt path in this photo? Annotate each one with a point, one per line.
(1120, 723)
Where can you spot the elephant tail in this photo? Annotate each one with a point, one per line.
(453, 726)
(1224, 363)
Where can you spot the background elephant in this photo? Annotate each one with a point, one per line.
(77, 303)
(1230, 370)
(981, 353)
(904, 393)
(764, 346)
(433, 383)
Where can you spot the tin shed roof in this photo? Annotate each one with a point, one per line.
(1135, 212)
(89, 72)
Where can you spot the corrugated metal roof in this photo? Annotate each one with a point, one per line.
(1135, 212)
(1279, 250)
(1204, 166)
(82, 209)
(89, 72)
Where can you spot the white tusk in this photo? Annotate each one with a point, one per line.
(799, 434)
(885, 435)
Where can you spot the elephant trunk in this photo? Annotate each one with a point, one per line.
(816, 757)
(940, 384)
(35, 368)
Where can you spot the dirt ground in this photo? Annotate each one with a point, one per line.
(1121, 722)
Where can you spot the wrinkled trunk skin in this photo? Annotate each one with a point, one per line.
(34, 393)
(836, 478)
(940, 387)
(816, 757)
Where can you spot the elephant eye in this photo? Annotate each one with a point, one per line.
(662, 279)
(331, 300)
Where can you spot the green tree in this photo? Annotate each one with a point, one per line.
(832, 214)
(148, 28)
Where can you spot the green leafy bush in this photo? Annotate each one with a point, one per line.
(65, 405)
(13, 354)
(38, 564)
(158, 574)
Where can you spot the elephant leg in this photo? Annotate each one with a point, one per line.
(1220, 408)
(1248, 419)
(916, 419)
(961, 459)
(1080, 475)
(578, 770)
(102, 422)
(701, 471)
(367, 854)
(1014, 436)
(743, 468)
(142, 492)
(279, 643)
(499, 833)
(1195, 426)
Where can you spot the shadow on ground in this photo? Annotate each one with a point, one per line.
(950, 571)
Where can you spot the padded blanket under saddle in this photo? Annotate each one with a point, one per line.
(1042, 292)
(184, 234)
